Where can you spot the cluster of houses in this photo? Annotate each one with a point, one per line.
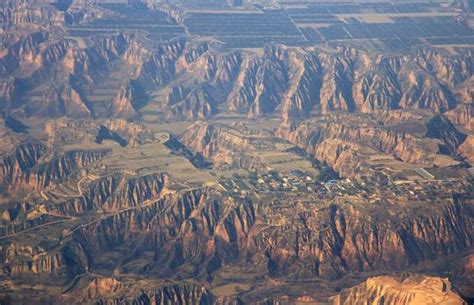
(297, 183)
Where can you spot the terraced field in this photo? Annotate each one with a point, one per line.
(156, 24)
(390, 26)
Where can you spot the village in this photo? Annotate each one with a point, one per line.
(298, 184)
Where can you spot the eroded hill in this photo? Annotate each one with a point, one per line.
(148, 160)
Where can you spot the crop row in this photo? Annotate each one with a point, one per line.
(258, 42)
(277, 24)
(348, 8)
(452, 40)
(138, 11)
(389, 30)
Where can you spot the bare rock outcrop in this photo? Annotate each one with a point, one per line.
(199, 103)
(25, 157)
(410, 291)
(112, 291)
(467, 149)
(68, 260)
(462, 115)
(346, 146)
(29, 166)
(127, 102)
(289, 82)
(60, 101)
(222, 145)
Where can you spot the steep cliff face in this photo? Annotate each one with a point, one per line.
(345, 142)
(63, 166)
(156, 231)
(20, 161)
(304, 92)
(85, 131)
(463, 274)
(178, 148)
(92, 64)
(466, 5)
(160, 68)
(440, 128)
(66, 260)
(222, 145)
(118, 192)
(350, 80)
(199, 103)
(198, 231)
(467, 149)
(20, 48)
(244, 92)
(192, 228)
(30, 60)
(292, 83)
(345, 146)
(112, 193)
(128, 100)
(59, 101)
(10, 136)
(111, 291)
(25, 14)
(25, 167)
(107, 194)
(252, 79)
(376, 90)
(462, 115)
(208, 138)
(271, 81)
(127, 234)
(347, 243)
(179, 294)
(412, 290)
(61, 71)
(142, 222)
